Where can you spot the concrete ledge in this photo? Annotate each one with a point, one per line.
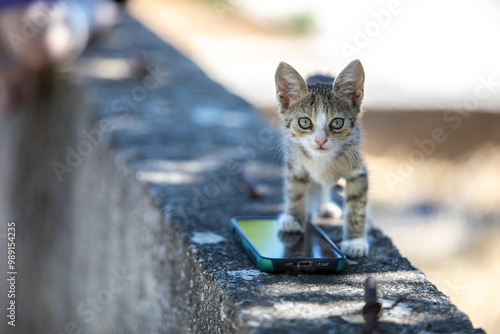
(131, 234)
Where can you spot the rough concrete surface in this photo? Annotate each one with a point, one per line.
(135, 239)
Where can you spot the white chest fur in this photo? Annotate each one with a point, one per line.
(322, 170)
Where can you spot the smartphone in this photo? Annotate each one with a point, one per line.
(275, 251)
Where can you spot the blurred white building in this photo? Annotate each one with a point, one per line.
(417, 54)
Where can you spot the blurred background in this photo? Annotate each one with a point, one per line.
(431, 118)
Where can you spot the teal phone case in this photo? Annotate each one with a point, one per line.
(275, 251)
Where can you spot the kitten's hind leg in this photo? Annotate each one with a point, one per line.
(327, 207)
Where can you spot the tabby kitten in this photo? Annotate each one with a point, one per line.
(322, 144)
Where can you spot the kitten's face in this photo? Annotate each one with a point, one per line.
(319, 123)
(321, 117)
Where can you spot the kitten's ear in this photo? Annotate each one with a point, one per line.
(290, 86)
(350, 82)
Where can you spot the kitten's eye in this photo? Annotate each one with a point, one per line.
(337, 123)
(305, 123)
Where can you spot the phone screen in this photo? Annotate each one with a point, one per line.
(264, 234)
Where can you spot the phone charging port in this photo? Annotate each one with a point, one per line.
(305, 264)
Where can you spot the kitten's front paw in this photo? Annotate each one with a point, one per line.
(288, 223)
(330, 209)
(355, 247)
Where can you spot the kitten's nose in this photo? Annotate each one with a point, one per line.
(321, 141)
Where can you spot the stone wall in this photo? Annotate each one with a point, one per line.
(125, 184)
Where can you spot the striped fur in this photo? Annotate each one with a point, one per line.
(318, 156)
